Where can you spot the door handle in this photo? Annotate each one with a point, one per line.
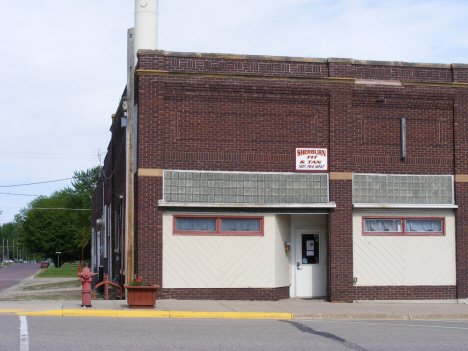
(299, 267)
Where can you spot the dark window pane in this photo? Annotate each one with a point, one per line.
(423, 225)
(240, 224)
(382, 225)
(196, 224)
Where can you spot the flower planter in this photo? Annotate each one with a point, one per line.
(140, 296)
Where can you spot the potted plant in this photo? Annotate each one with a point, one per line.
(140, 294)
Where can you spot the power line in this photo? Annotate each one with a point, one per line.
(47, 181)
(19, 194)
(115, 167)
(61, 155)
(67, 209)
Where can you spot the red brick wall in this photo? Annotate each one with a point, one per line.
(271, 294)
(340, 274)
(374, 146)
(405, 292)
(148, 237)
(461, 223)
(461, 190)
(236, 125)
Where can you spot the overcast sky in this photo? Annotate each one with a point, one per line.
(64, 63)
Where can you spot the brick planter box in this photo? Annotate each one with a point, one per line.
(141, 296)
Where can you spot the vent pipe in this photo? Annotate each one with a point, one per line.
(146, 25)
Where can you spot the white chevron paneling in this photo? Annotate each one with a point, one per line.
(245, 261)
(196, 261)
(283, 227)
(379, 261)
(404, 260)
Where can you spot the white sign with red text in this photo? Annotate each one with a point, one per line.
(309, 159)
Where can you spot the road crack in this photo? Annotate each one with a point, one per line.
(305, 329)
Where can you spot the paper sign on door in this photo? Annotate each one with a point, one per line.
(309, 254)
(310, 245)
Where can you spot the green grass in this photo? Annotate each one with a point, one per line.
(61, 285)
(68, 270)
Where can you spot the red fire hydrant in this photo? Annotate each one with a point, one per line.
(86, 277)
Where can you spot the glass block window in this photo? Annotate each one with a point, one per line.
(402, 189)
(245, 187)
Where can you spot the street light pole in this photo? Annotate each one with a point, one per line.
(58, 259)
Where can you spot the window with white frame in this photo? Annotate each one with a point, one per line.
(403, 226)
(218, 225)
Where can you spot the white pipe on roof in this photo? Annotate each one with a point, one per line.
(146, 25)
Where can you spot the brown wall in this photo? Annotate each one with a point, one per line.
(108, 193)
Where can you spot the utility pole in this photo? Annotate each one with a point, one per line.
(130, 161)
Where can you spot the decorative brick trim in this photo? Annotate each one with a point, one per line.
(409, 160)
(341, 176)
(230, 157)
(420, 292)
(142, 72)
(436, 84)
(148, 172)
(266, 294)
(461, 178)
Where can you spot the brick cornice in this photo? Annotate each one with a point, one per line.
(435, 84)
(143, 72)
(300, 59)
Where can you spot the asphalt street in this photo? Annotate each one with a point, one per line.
(57, 333)
(15, 273)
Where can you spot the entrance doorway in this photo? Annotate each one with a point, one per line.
(310, 261)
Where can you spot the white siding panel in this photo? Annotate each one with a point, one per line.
(375, 252)
(283, 234)
(196, 261)
(404, 260)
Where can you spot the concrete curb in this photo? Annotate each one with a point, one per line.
(232, 315)
(11, 310)
(155, 314)
(371, 316)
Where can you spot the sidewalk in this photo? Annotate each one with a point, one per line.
(54, 296)
(293, 308)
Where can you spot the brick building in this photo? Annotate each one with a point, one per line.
(262, 177)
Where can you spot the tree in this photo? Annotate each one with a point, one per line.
(55, 223)
(8, 233)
